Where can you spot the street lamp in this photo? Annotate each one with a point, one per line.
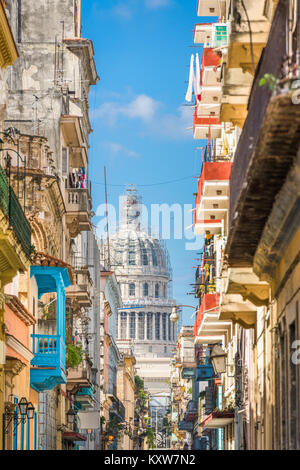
(174, 315)
(23, 407)
(30, 411)
(218, 359)
(71, 416)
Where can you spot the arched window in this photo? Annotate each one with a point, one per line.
(156, 291)
(146, 290)
(157, 326)
(164, 326)
(132, 289)
(132, 325)
(141, 326)
(123, 325)
(165, 291)
(149, 326)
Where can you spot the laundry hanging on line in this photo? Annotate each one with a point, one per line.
(194, 79)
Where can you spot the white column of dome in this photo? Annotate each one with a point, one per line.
(153, 326)
(161, 325)
(145, 325)
(136, 325)
(128, 326)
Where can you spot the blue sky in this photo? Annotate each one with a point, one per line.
(142, 53)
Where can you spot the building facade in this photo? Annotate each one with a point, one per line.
(247, 323)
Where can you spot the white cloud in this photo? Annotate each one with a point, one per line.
(142, 107)
(153, 121)
(157, 3)
(115, 148)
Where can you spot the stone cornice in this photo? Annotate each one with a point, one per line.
(18, 308)
(15, 344)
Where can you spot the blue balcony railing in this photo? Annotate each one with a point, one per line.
(48, 366)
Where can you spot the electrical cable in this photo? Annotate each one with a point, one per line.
(250, 34)
(150, 184)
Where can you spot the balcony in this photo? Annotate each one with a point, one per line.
(185, 426)
(209, 327)
(80, 376)
(84, 398)
(234, 308)
(211, 35)
(16, 243)
(48, 366)
(243, 281)
(265, 153)
(188, 372)
(218, 419)
(48, 362)
(211, 8)
(212, 198)
(206, 127)
(191, 413)
(81, 291)
(78, 210)
(117, 409)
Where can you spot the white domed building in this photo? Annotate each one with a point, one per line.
(141, 264)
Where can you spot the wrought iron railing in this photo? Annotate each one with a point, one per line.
(12, 209)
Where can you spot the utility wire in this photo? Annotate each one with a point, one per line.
(151, 184)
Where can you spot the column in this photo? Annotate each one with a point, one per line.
(153, 326)
(145, 326)
(160, 326)
(118, 324)
(127, 336)
(136, 326)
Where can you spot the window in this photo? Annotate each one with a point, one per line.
(144, 256)
(164, 327)
(165, 291)
(132, 325)
(131, 253)
(132, 289)
(156, 291)
(146, 290)
(123, 325)
(141, 326)
(157, 326)
(131, 257)
(149, 326)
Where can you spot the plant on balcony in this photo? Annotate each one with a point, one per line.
(268, 80)
(114, 428)
(150, 438)
(74, 355)
(49, 312)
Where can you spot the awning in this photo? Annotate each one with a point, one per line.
(218, 419)
(73, 436)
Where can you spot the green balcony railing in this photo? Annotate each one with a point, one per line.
(12, 209)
